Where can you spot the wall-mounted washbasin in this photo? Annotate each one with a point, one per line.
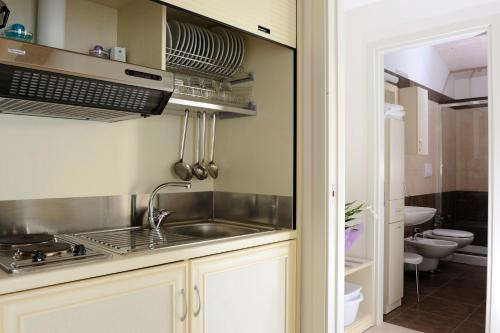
(418, 215)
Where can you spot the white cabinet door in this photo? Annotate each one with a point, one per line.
(396, 210)
(394, 263)
(416, 103)
(395, 159)
(147, 300)
(275, 20)
(245, 291)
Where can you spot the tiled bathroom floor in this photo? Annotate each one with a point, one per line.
(452, 301)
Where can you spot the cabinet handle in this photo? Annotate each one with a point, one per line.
(184, 298)
(197, 312)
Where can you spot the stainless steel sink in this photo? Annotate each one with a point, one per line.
(137, 239)
(211, 230)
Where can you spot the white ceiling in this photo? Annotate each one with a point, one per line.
(465, 53)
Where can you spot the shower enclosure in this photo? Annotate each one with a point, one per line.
(464, 172)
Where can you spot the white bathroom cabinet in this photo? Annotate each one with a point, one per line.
(243, 291)
(394, 159)
(274, 20)
(394, 266)
(394, 217)
(415, 101)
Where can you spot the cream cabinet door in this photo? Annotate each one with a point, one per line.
(391, 93)
(147, 300)
(275, 20)
(415, 101)
(395, 159)
(394, 263)
(245, 291)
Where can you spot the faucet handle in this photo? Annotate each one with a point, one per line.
(416, 230)
(160, 216)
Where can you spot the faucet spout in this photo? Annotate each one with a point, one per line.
(156, 217)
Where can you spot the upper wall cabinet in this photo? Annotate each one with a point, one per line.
(391, 93)
(136, 27)
(415, 101)
(275, 20)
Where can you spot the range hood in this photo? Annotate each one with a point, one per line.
(42, 81)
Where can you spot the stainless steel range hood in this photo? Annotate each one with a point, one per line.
(43, 81)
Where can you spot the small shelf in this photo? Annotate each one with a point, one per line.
(177, 106)
(353, 265)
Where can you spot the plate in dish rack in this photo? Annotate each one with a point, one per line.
(225, 60)
(177, 42)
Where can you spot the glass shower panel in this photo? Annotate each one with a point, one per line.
(464, 170)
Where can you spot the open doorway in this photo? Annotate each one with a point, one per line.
(436, 185)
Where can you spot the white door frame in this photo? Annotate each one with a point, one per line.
(377, 51)
(320, 169)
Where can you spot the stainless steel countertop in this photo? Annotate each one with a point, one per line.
(117, 263)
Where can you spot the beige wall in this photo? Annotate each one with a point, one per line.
(89, 24)
(416, 182)
(256, 153)
(51, 158)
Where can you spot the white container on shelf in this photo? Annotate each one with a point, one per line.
(352, 299)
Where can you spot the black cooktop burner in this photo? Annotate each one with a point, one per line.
(48, 249)
(16, 241)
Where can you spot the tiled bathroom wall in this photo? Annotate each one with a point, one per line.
(416, 182)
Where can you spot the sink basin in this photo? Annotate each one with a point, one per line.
(418, 215)
(135, 239)
(210, 230)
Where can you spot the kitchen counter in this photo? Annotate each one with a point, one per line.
(10, 283)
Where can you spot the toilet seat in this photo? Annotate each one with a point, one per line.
(452, 233)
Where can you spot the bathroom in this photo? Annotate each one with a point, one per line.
(436, 180)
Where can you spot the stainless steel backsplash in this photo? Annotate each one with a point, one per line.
(270, 209)
(67, 215)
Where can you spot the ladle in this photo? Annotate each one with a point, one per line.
(181, 168)
(212, 167)
(200, 169)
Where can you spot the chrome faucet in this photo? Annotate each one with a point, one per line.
(156, 216)
(416, 233)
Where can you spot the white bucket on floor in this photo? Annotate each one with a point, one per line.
(352, 299)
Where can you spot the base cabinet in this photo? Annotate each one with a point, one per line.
(243, 291)
(140, 301)
(394, 266)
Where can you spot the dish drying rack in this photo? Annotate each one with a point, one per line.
(227, 98)
(198, 65)
(198, 88)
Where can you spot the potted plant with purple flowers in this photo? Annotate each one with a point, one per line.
(352, 232)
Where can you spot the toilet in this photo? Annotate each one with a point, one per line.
(462, 238)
